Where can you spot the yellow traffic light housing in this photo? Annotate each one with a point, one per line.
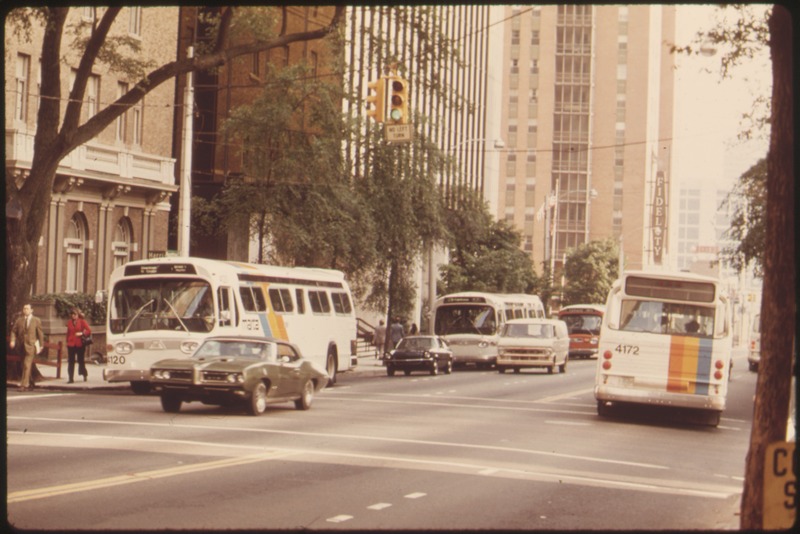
(398, 102)
(376, 100)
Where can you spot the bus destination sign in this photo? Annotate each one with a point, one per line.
(159, 268)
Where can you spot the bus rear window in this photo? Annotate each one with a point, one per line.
(682, 290)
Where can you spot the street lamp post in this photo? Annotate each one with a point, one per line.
(551, 236)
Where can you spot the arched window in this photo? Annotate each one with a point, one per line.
(121, 245)
(76, 253)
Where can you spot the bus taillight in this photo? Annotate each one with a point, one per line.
(718, 364)
(607, 355)
(607, 365)
(718, 375)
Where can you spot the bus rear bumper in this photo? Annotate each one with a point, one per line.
(606, 393)
(126, 375)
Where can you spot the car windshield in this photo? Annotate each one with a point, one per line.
(233, 348)
(542, 331)
(582, 323)
(416, 343)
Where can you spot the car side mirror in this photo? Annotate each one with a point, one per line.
(285, 359)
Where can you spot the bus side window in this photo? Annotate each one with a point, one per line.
(341, 303)
(319, 302)
(261, 302)
(301, 303)
(281, 300)
(247, 299)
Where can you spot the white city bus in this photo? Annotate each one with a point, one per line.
(470, 322)
(665, 339)
(164, 308)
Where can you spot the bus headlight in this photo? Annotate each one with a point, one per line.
(188, 347)
(123, 348)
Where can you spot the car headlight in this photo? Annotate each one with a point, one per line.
(188, 347)
(483, 344)
(235, 378)
(123, 348)
(161, 374)
(594, 341)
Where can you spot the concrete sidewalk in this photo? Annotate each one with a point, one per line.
(367, 366)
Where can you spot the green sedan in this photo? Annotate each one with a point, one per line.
(253, 371)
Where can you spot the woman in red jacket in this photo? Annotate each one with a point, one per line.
(77, 329)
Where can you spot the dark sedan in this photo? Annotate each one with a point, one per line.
(420, 353)
(253, 371)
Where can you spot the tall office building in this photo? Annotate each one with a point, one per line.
(587, 123)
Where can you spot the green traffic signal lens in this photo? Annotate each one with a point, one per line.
(397, 114)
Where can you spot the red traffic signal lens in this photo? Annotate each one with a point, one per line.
(397, 85)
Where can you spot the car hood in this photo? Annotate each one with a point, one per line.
(218, 363)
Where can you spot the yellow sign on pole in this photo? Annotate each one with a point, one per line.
(780, 486)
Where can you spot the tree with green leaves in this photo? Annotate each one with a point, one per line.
(748, 225)
(778, 305)
(60, 131)
(485, 254)
(590, 270)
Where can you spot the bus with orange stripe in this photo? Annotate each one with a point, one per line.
(666, 340)
(165, 307)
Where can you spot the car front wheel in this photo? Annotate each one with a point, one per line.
(449, 369)
(435, 368)
(258, 400)
(304, 402)
(170, 402)
(390, 370)
(563, 366)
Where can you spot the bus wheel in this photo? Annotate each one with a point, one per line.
(390, 370)
(501, 369)
(602, 408)
(140, 387)
(330, 366)
(170, 402)
(713, 417)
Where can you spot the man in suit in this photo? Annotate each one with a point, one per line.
(28, 331)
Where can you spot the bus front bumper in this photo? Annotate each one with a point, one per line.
(126, 375)
(609, 393)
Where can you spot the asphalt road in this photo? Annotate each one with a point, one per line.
(471, 450)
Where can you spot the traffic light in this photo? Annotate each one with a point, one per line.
(398, 101)
(375, 98)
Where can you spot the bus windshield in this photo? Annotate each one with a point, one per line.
(582, 323)
(470, 319)
(666, 318)
(162, 304)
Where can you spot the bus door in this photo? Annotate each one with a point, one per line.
(227, 307)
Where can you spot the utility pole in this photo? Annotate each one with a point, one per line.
(185, 204)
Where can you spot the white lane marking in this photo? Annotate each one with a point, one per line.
(471, 406)
(379, 506)
(339, 519)
(568, 395)
(415, 495)
(570, 423)
(677, 487)
(734, 428)
(349, 436)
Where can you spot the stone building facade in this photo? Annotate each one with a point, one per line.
(110, 201)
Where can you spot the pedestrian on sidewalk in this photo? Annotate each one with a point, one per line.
(28, 330)
(396, 331)
(77, 332)
(379, 339)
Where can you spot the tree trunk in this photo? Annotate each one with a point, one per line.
(778, 311)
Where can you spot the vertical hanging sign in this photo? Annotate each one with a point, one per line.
(658, 222)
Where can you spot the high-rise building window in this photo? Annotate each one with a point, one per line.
(92, 94)
(135, 23)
